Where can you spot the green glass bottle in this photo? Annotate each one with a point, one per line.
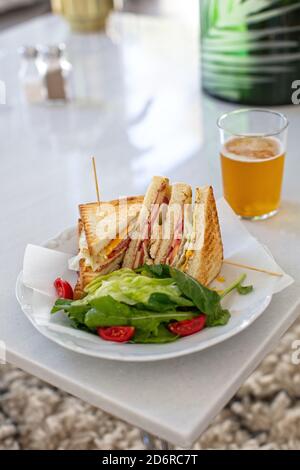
(250, 49)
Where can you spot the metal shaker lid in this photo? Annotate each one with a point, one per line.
(28, 52)
(53, 51)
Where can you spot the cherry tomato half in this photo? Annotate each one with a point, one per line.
(188, 327)
(119, 334)
(63, 289)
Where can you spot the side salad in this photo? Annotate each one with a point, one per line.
(152, 304)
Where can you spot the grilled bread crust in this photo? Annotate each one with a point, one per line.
(93, 213)
(78, 290)
(206, 262)
(87, 222)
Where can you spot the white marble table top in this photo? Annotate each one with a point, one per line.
(141, 113)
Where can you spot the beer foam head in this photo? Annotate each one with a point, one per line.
(252, 148)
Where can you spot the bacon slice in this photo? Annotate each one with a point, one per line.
(178, 232)
(121, 247)
(142, 249)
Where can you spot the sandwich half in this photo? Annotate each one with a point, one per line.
(201, 252)
(104, 235)
(160, 228)
(106, 230)
(177, 215)
(145, 242)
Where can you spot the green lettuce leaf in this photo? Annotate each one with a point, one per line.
(76, 313)
(131, 288)
(97, 282)
(106, 311)
(163, 336)
(206, 300)
(148, 299)
(160, 271)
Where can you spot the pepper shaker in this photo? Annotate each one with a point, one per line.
(56, 74)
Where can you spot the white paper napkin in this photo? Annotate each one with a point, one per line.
(42, 266)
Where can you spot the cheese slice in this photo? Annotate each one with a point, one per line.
(114, 243)
(188, 255)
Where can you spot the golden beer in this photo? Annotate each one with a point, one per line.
(252, 171)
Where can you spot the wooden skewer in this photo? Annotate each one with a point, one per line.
(96, 180)
(252, 268)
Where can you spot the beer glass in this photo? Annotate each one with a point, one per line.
(253, 152)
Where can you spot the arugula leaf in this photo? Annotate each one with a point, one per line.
(220, 318)
(201, 296)
(163, 336)
(76, 313)
(143, 318)
(160, 271)
(244, 290)
(109, 306)
(70, 307)
(105, 311)
(61, 304)
(158, 302)
(206, 300)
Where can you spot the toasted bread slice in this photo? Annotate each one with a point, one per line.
(138, 252)
(173, 226)
(87, 274)
(107, 225)
(204, 259)
(92, 264)
(78, 290)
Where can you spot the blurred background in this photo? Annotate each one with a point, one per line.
(15, 11)
(122, 80)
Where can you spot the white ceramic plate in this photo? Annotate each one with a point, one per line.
(37, 307)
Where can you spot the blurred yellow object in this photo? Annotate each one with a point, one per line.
(86, 15)
(57, 6)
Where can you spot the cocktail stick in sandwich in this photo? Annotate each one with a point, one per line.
(104, 235)
(201, 252)
(175, 224)
(143, 247)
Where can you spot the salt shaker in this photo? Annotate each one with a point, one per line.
(56, 74)
(30, 77)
